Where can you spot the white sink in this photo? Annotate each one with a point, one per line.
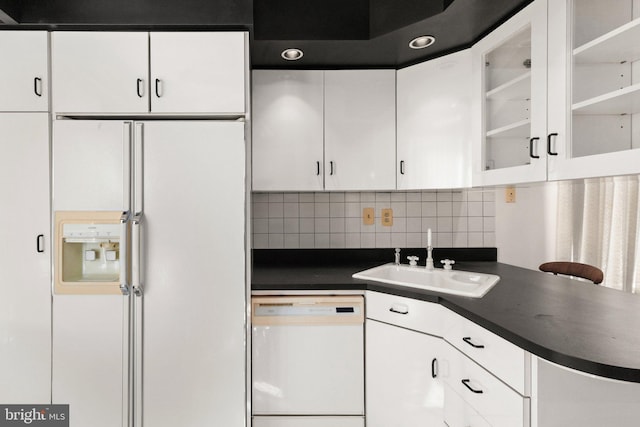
(456, 282)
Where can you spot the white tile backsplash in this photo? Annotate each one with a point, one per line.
(458, 218)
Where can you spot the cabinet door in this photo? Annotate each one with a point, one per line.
(594, 89)
(24, 82)
(402, 379)
(25, 295)
(458, 413)
(100, 72)
(360, 130)
(198, 72)
(287, 139)
(434, 123)
(510, 69)
(492, 399)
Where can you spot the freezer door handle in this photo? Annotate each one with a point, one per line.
(124, 243)
(136, 283)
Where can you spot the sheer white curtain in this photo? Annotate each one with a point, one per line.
(599, 224)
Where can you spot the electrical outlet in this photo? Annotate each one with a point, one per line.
(368, 216)
(510, 195)
(387, 217)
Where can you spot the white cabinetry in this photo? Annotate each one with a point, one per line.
(140, 72)
(24, 83)
(596, 56)
(403, 387)
(510, 69)
(488, 373)
(434, 123)
(315, 130)
(25, 295)
(288, 120)
(360, 130)
(414, 377)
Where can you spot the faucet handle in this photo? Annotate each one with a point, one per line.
(448, 263)
(413, 260)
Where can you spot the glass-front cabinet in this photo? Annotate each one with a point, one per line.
(510, 70)
(602, 97)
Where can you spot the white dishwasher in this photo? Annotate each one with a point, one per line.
(307, 361)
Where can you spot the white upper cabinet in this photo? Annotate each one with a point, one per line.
(510, 73)
(594, 70)
(359, 129)
(434, 123)
(287, 135)
(100, 72)
(197, 72)
(331, 130)
(140, 72)
(24, 83)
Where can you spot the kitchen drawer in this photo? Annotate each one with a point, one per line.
(498, 404)
(408, 313)
(505, 360)
(458, 413)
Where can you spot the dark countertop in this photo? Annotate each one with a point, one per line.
(574, 324)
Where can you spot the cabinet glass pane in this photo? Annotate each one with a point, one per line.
(508, 102)
(605, 76)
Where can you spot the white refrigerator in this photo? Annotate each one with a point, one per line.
(168, 347)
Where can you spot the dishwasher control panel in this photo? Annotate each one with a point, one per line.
(347, 309)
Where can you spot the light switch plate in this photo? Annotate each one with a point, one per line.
(510, 195)
(368, 216)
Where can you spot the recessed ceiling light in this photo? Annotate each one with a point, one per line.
(422, 42)
(292, 54)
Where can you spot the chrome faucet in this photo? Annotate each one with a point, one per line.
(397, 261)
(429, 264)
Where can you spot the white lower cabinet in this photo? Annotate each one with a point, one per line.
(485, 393)
(402, 383)
(458, 413)
(414, 377)
(25, 291)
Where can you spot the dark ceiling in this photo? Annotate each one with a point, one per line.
(332, 33)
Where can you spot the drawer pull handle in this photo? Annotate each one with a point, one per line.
(434, 368)
(468, 341)
(531, 144)
(466, 382)
(549, 152)
(399, 308)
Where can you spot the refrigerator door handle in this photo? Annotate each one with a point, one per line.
(136, 283)
(136, 332)
(124, 243)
